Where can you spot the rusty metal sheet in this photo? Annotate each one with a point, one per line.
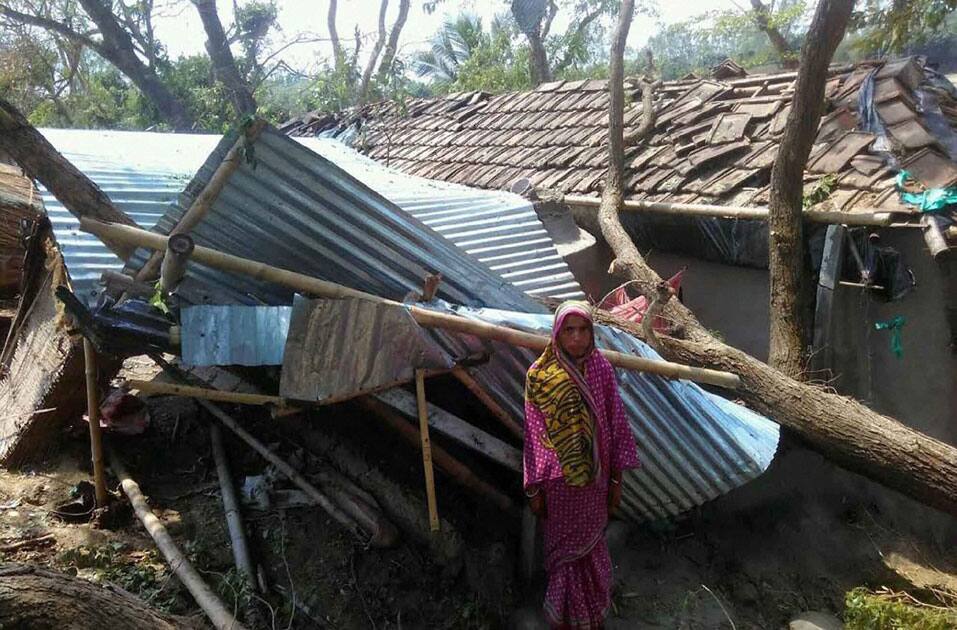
(728, 127)
(836, 157)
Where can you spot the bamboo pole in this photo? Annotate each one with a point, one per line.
(466, 378)
(379, 531)
(426, 450)
(755, 213)
(172, 389)
(314, 286)
(93, 411)
(234, 521)
(204, 596)
(459, 472)
(207, 196)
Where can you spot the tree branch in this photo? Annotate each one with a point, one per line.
(579, 32)
(374, 57)
(49, 25)
(388, 57)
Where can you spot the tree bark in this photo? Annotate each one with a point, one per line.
(529, 14)
(374, 56)
(40, 161)
(789, 270)
(117, 48)
(224, 64)
(32, 598)
(388, 57)
(842, 429)
(339, 56)
(762, 17)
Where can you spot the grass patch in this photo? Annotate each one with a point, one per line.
(887, 610)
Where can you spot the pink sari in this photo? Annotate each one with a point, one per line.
(576, 556)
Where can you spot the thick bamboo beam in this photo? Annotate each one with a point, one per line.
(426, 446)
(207, 197)
(189, 391)
(220, 617)
(314, 286)
(755, 213)
(93, 412)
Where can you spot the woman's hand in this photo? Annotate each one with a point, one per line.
(614, 491)
(537, 502)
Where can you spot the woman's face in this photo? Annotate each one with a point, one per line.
(575, 336)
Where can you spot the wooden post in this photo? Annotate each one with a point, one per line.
(426, 450)
(221, 618)
(93, 411)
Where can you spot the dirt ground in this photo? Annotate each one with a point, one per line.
(744, 561)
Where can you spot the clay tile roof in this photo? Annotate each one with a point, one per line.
(714, 139)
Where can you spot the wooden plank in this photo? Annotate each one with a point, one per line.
(456, 429)
(422, 408)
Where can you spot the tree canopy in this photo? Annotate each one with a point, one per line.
(103, 63)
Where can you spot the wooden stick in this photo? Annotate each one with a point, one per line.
(172, 389)
(466, 378)
(426, 450)
(93, 411)
(29, 543)
(207, 197)
(459, 472)
(456, 429)
(234, 520)
(115, 280)
(756, 213)
(314, 286)
(220, 617)
(379, 532)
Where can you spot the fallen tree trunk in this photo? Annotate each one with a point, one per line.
(844, 430)
(32, 598)
(42, 162)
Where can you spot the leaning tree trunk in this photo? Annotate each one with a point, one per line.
(224, 64)
(844, 430)
(40, 161)
(118, 49)
(762, 17)
(32, 598)
(789, 270)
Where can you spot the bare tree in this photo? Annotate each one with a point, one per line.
(225, 69)
(112, 41)
(850, 434)
(790, 308)
(762, 17)
(374, 57)
(388, 58)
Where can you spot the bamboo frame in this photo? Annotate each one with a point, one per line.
(234, 520)
(426, 450)
(203, 393)
(220, 617)
(93, 412)
(314, 286)
(754, 213)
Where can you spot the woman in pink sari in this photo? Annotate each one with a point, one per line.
(577, 443)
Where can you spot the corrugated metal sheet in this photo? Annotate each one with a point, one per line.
(224, 334)
(141, 173)
(144, 173)
(299, 211)
(499, 228)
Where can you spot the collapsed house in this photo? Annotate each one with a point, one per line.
(344, 218)
(886, 304)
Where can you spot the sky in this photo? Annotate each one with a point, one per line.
(182, 32)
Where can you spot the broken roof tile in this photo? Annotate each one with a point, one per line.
(835, 157)
(710, 154)
(727, 128)
(932, 169)
(911, 134)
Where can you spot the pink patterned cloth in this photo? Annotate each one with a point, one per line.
(576, 556)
